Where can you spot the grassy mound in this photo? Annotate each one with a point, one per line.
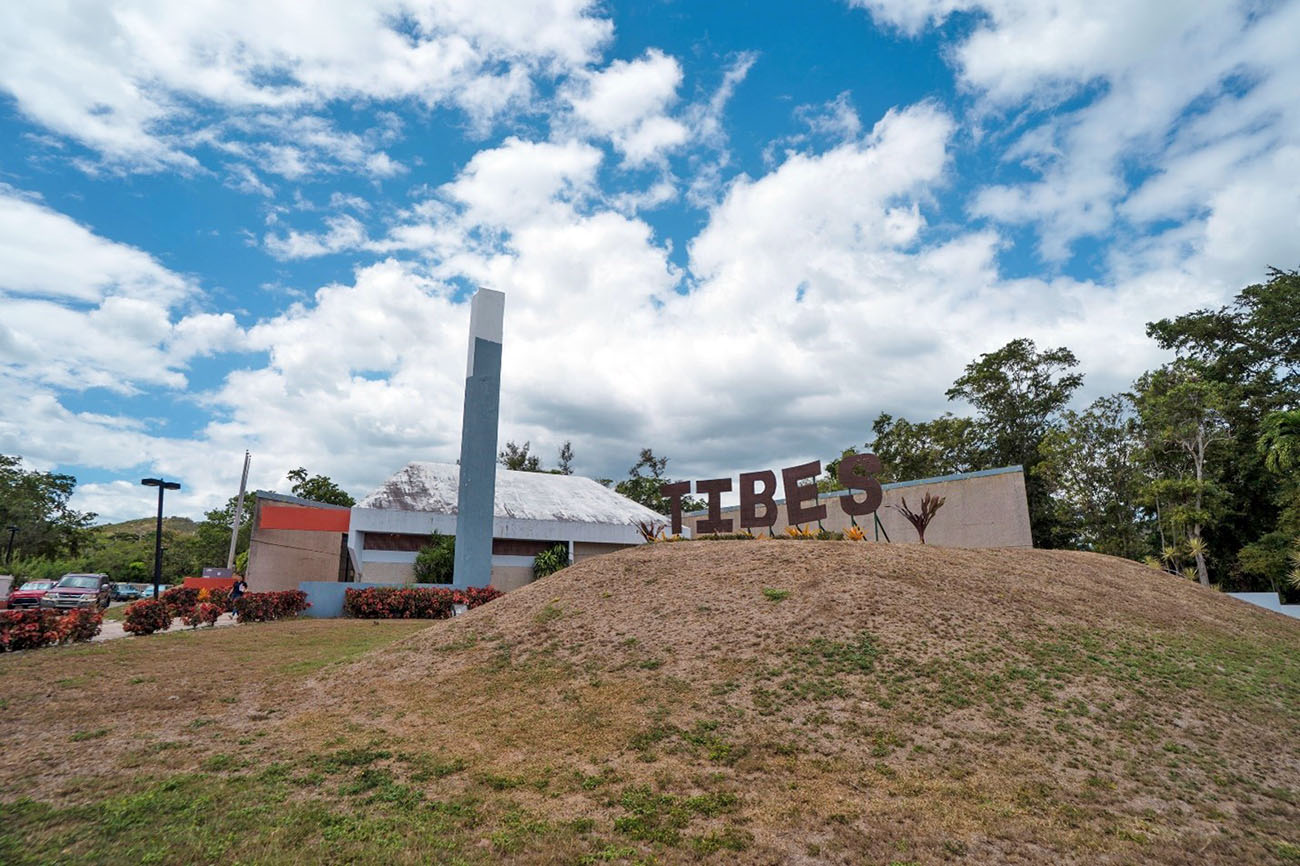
(763, 702)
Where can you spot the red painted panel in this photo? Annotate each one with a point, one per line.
(208, 582)
(305, 518)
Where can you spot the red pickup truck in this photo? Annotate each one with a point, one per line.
(30, 593)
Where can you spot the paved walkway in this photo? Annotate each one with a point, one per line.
(113, 629)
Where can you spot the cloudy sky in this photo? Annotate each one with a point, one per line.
(734, 233)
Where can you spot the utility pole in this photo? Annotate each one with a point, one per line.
(239, 513)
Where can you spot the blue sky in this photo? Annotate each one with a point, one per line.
(734, 233)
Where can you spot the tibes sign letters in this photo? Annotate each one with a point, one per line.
(759, 489)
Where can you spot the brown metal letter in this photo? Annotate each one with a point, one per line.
(850, 477)
(714, 488)
(795, 495)
(674, 493)
(750, 499)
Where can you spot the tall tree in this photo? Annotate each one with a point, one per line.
(1019, 394)
(926, 449)
(1091, 466)
(644, 480)
(1181, 409)
(37, 503)
(516, 457)
(1250, 347)
(566, 459)
(317, 488)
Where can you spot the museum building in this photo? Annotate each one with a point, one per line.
(376, 541)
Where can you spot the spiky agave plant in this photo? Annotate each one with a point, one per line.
(1293, 577)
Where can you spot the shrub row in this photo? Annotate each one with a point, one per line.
(27, 629)
(266, 606)
(399, 602)
(147, 616)
(180, 600)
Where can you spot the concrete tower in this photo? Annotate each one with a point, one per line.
(478, 441)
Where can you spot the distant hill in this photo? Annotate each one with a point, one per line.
(839, 702)
(146, 525)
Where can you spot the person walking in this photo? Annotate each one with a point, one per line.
(237, 592)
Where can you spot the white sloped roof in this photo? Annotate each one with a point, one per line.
(522, 495)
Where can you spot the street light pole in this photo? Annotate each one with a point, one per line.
(157, 541)
(9, 551)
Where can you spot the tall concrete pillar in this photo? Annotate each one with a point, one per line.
(478, 441)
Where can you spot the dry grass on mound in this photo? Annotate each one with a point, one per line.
(761, 702)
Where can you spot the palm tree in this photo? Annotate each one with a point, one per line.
(1280, 441)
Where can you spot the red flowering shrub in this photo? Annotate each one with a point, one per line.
(81, 624)
(412, 602)
(266, 606)
(180, 600)
(397, 602)
(203, 612)
(147, 616)
(473, 596)
(27, 629)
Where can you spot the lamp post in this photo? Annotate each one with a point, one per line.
(9, 551)
(157, 539)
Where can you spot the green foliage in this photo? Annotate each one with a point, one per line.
(566, 459)
(37, 503)
(551, 560)
(926, 449)
(517, 458)
(436, 561)
(1182, 413)
(644, 480)
(1092, 465)
(1019, 395)
(1280, 441)
(317, 488)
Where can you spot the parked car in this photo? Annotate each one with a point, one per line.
(78, 590)
(30, 593)
(147, 592)
(125, 592)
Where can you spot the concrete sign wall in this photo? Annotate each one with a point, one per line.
(982, 509)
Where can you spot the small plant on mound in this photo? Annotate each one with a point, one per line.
(203, 612)
(930, 506)
(551, 560)
(268, 606)
(147, 616)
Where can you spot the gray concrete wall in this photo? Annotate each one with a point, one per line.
(278, 559)
(981, 509)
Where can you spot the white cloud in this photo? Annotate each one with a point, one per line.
(627, 102)
(123, 79)
(45, 254)
(1178, 101)
(343, 232)
(81, 311)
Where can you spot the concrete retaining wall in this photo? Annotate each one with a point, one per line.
(1268, 600)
